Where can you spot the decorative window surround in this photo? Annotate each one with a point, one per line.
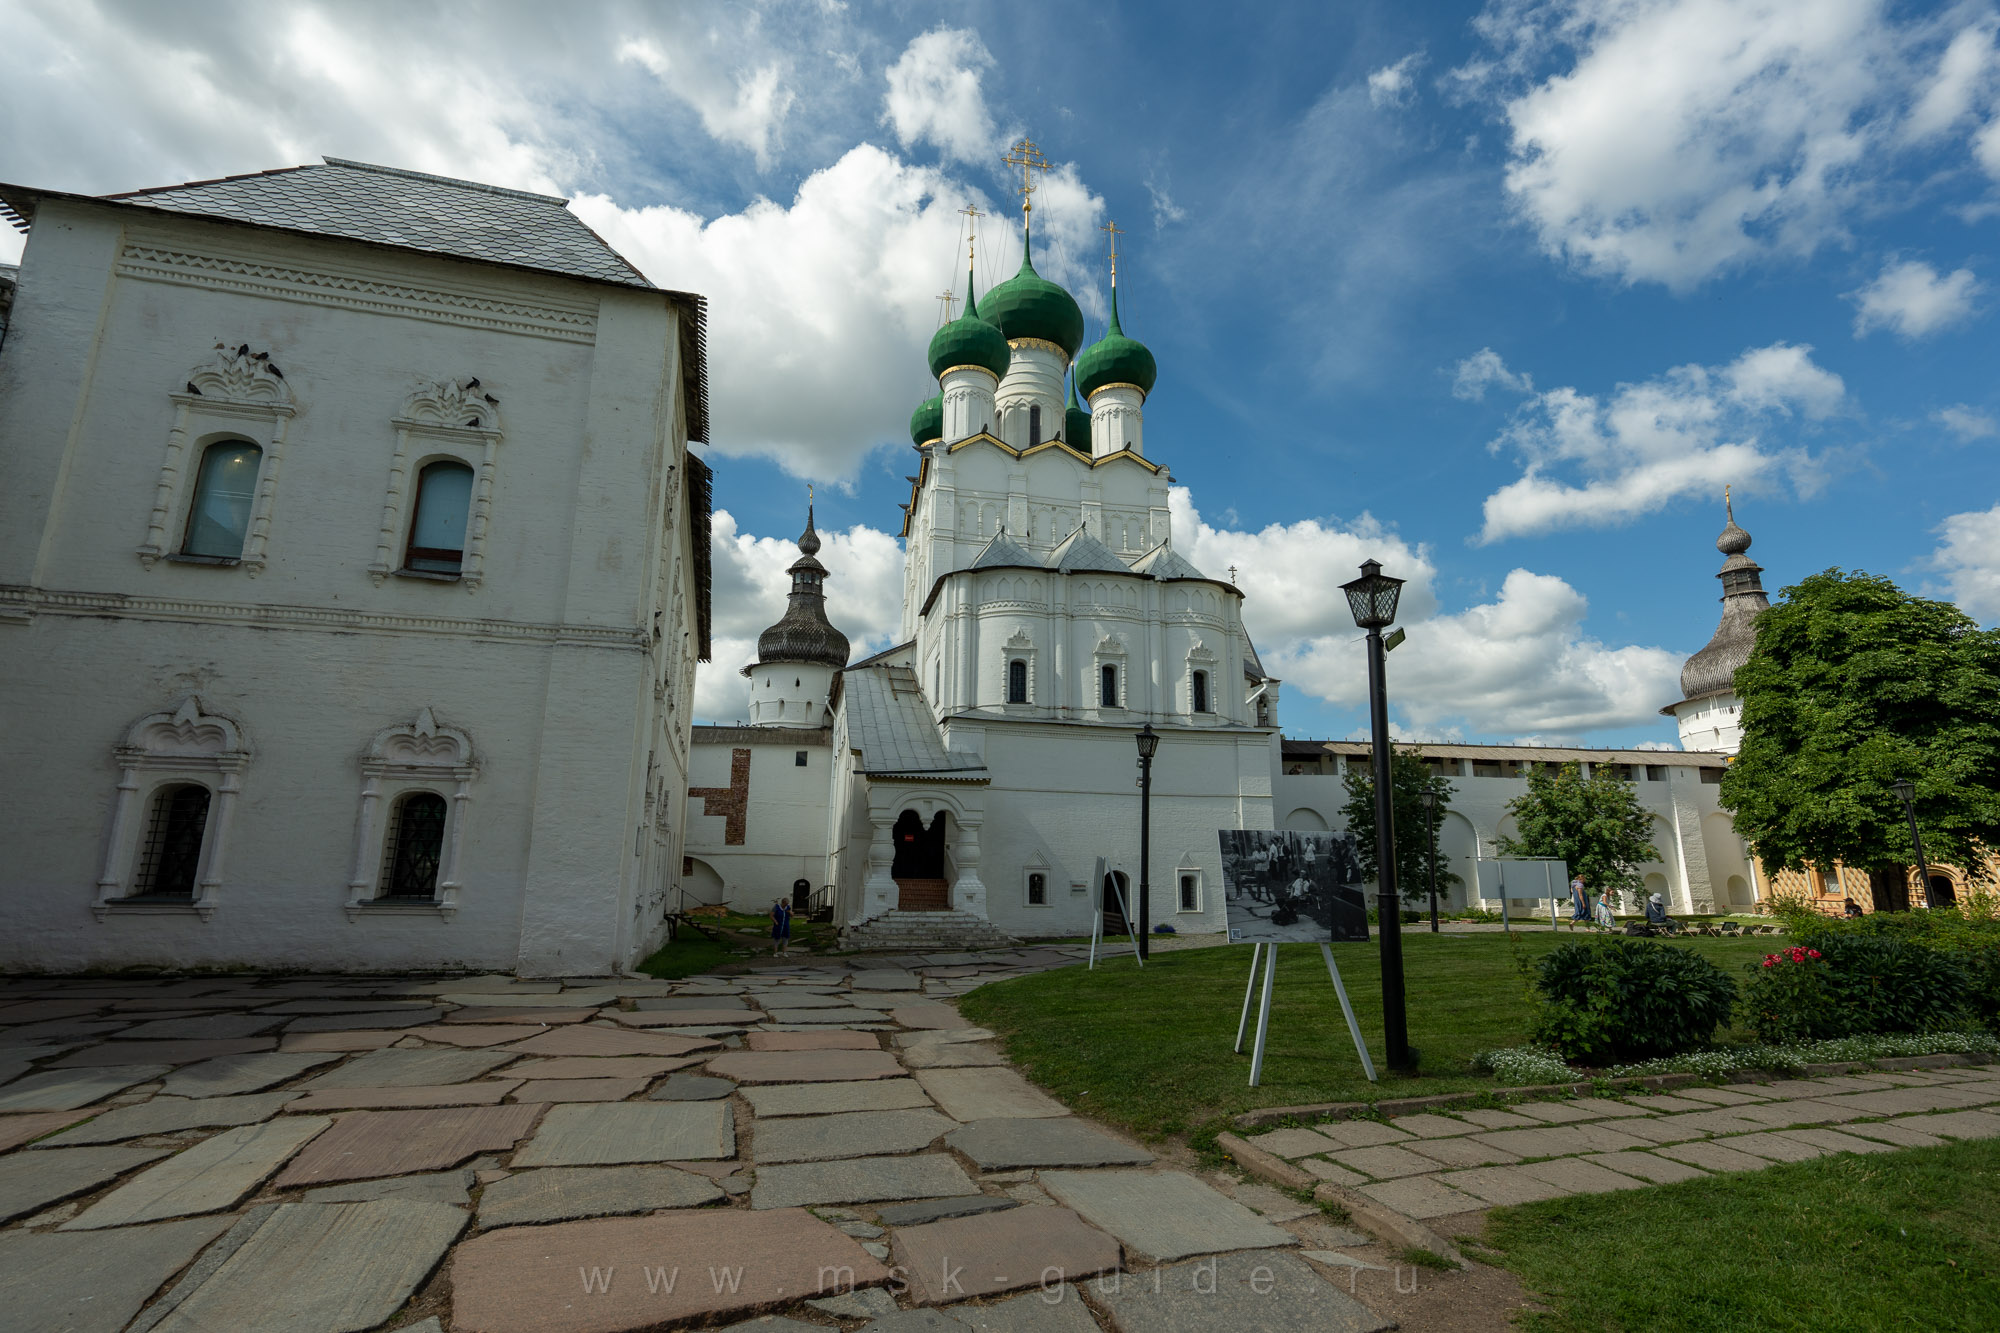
(1180, 902)
(1028, 875)
(417, 756)
(166, 749)
(238, 394)
(1110, 652)
(1200, 658)
(441, 419)
(1018, 648)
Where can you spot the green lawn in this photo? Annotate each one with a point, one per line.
(1842, 1244)
(1151, 1050)
(689, 954)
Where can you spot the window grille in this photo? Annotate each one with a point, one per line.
(173, 843)
(1038, 890)
(414, 847)
(1017, 682)
(1107, 686)
(1201, 691)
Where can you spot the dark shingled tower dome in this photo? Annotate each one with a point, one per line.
(804, 635)
(1713, 669)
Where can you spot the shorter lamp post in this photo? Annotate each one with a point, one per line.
(1149, 744)
(1372, 598)
(1430, 800)
(1906, 789)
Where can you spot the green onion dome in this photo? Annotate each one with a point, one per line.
(1028, 305)
(1115, 359)
(969, 341)
(1076, 423)
(927, 422)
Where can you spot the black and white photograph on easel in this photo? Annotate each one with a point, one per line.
(1285, 887)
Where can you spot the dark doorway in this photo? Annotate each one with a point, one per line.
(802, 892)
(1890, 888)
(919, 865)
(1943, 893)
(1115, 883)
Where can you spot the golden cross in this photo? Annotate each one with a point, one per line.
(1028, 157)
(972, 214)
(1115, 231)
(948, 297)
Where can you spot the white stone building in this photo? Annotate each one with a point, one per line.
(353, 570)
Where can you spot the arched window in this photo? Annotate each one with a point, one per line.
(414, 847)
(224, 487)
(1017, 682)
(172, 855)
(437, 534)
(1035, 424)
(1201, 691)
(1107, 685)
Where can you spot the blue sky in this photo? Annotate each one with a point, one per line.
(1501, 294)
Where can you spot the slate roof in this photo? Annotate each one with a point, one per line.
(1003, 552)
(891, 725)
(1163, 562)
(1080, 552)
(390, 206)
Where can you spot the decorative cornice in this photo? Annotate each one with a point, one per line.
(355, 291)
(1115, 384)
(20, 603)
(953, 370)
(1042, 343)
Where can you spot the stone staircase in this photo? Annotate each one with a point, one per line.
(898, 930)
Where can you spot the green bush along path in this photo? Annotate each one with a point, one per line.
(1840, 1244)
(1150, 1050)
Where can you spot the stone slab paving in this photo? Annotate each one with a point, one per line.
(67, 1089)
(1009, 1145)
(438, 1187)
(16, 1130)
(1573, 1175)
(1422, 1197)
(563, 1193)
(211, 1176)
(233, 1075)
(805, 1066)
(168, 1115)
(622, 1132)
(591, 1040)
(987, 1094)
(1386, 1163)
(161, 1052)
(520, 1017)
(1164, 1215)
(859, 1180)
(525, 1279)
(408, 1069)
(601, 1066)
(692, 1088)
(1000, 1252)
(30, 1182)
(365, 1144)
(1271, 1293)
(1646, 1166)
(578, 1089)
(812, 1041)
(332, 1268)
(487, 1093)
(843, 1017)
(79, 1284)
(1711, 1156)
(936, 1210)
(949, 1055)
(827, 1138)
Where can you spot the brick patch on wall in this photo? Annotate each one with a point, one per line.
(731, 802)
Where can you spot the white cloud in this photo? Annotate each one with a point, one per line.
(1392, 84)
(1165, 210)
(1911, 299)
(864, 600)
(936, 95)
(1965, 422)
(1678, 139)
(1591, 463)
(746, 107)
(1969, 556)
(1485, 370)
(1518, 664)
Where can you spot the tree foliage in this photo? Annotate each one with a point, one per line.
(1853, 685)
(1595, 824)
(1409, 778)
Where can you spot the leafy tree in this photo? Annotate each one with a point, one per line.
(1595, 824)
(1853, 685)
(1409, 778)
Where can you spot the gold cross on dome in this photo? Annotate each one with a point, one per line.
(1028, 157)
(1115, 231)
(949, 297)
(972, 216)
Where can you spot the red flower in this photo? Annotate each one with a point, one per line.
(1815, 953)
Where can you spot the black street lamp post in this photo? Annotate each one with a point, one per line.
(1906, 789)
(1430, 800)
(1372, 598)
(1149, 742)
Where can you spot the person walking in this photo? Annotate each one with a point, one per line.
(1605, 916)
(1579, 899)
(781, 927)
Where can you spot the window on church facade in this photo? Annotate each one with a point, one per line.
(1201, 691)
(1017, 682)
(437, 534)
(172, 854)
(1038, 889)
(224, 488)
(1035, 424)
(1107, 686)
(1190, 892)
(415, 846)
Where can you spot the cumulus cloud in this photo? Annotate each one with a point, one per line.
(1590, 462)
(1912, 299)
(1485, 370)
(743, 107)
(1969, 557)
(1392, 84)
(1518, 664)
(936, 95)
(1670, 140)
(1965, 422)
(864, 600)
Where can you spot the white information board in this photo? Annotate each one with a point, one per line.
(1500, 878)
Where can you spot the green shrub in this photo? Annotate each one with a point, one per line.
(1618, 998)
(1856, 982)
(1971, 938)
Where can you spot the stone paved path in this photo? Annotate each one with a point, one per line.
(825, 1144)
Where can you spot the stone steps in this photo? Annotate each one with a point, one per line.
(926, 930)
